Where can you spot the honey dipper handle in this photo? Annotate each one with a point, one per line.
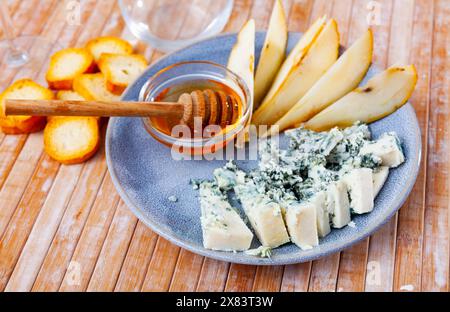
(91, 108)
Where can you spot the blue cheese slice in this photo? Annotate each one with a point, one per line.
(264, 215)
(323, 217)
(338, 204)
(360, 186)
(301, 221)
(388, 148)
(223, 229)
(380, 176)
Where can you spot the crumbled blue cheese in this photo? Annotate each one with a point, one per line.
(348, 148)
(322, 176)
(307, 141)
(408, 287)
(226, 177)
(262, 252)
(313, 185)
(195, 183)
(388, 148)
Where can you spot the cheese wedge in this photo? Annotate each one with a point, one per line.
(222, 227)
(301, 221)
(323, 218)
(380, 176)
(360, 185)
(338, 204)
(264, 215)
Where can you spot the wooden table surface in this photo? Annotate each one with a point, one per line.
(64, 228)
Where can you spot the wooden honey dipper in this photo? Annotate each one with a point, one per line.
(213, 107)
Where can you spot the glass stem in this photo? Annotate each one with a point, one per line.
(16, 57)
(7, 24)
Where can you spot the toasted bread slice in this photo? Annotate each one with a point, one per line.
(24, 89)
(66, 95)
(67, 64)
(72, 140)
(112, 45)
(93, 87)
(121, 70)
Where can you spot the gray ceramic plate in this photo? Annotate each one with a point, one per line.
(146, 176)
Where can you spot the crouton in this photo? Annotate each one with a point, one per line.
(72, 140)
(112, 45)
(121, 70)
(67, 64)
(24, 89)
(66, 95)
(93, 88)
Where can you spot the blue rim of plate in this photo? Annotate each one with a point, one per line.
(154, 225)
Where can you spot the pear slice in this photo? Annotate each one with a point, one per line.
(242, 57)
(308, 66)
(296, 55)
(272, 54)
(381, 96)
(343, 77)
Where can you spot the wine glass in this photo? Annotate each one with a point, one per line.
(169, 25)
(22, 56)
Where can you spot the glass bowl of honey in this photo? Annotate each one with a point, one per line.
(169, 84)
